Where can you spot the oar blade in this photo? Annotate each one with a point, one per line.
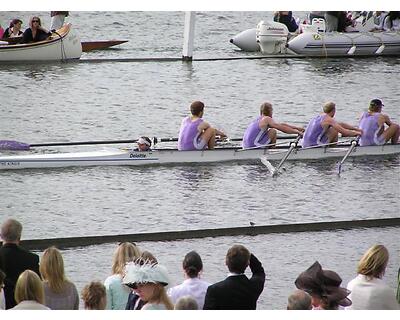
(268, 164)
(13, 145)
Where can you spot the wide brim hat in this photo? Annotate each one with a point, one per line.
(140, 273)
(323, 283)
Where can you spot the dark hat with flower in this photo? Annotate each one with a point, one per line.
(323, 283)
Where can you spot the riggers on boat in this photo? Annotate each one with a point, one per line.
(64, 44)
(118, 157)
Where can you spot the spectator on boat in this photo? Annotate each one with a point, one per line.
(368, 291)
(323, 129)
(59, 292)
(286, 17)
(263, 130)
(148, 281)
(392, 21)
(35, 32)
(29, 292)
(117, 292)
(324, 288)
(2, 298)
(143, 144)
(14, 259)
(195, 133)
(299, 300)
(186, 303)
(94, 296)
(237, 292)
(373, 122)
(336, 21)
(14, 30)
(379, 18)
(134, 301)
(192, 286)
(57, 19)
(1, 32)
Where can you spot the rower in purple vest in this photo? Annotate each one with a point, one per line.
(195, 133)
(373, 123)
(323, 129)
(262, 130)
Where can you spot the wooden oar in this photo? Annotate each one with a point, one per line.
(21, 146)
(275, 171)
(353, 145)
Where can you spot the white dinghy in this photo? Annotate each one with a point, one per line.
(64, 44)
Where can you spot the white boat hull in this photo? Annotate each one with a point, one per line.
(118, 157)
(65, 46)
(339, 44)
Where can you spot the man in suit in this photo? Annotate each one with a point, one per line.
(237, 292)
(14, 259)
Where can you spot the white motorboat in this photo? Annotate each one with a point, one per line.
(64, 44)
(120, 157)
(274, 38)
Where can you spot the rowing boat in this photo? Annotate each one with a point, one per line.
(123, 157)
(61, 46)
(100, 44)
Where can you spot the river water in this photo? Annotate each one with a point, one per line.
(123, 100)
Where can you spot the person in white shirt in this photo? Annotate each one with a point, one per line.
(192, 286)
(368, 291)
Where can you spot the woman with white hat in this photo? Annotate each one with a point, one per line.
(149, 281)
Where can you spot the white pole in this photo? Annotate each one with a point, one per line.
(188, 36)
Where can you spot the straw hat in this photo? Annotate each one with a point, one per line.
(147, 272)
(323, 283)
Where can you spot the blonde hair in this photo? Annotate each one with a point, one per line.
(125, 252)
(329, 107)
(29, 287)
(160, 296)
(266, 109)
(374, 261)
(52, 269)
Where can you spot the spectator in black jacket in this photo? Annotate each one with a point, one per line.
(14, 259)
(237, 292)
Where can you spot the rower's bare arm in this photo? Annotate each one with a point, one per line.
(386, 119)
(348, 126)
(300, 129)
(346, 132)
(286, 129)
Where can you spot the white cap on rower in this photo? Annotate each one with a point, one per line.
(141, 140)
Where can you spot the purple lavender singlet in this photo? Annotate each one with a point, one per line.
(254, 136)
(189, 135)
(314, 134)
(370, 127)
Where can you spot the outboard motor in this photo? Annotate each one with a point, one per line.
(272, 37)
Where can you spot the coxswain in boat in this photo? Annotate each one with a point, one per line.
(35, 32)
(195, 133)
(262, 130)
(323, 129)
(373, 123)
(143, 144)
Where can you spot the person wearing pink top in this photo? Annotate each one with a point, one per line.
(373, 124)
(262, 130)
(324, 129)
(195, 133)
